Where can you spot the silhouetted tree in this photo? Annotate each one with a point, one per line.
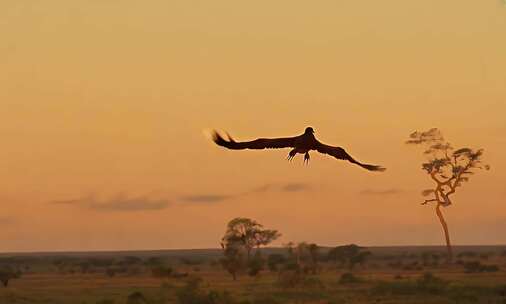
(233, 260)
(265, 237)
(313, 253)
(256, 264)
(249, 234)
(349, 255)
(242, 235)
(448, 168)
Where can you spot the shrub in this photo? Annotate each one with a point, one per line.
(7, 273)
(349, 278)
(312, 282)
(265, 299)
(427, 284)
(192, 293)
(179, 275)
(161, 271)
(255, 265)
(431, 284)
(154, 261)
(476, 266)
(110, 272)
(137, 298)
(273, 260)
(289, 278)
(190, 262)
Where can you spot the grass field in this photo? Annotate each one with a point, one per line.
(390, 275)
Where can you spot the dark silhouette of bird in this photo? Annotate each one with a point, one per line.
(301, 144)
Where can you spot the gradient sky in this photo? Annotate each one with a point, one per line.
(105, 103)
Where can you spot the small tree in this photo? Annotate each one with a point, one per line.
(349, 255)
(448, 169)
(233, 260)
(313, 250)
(249, 234)
(242, 235)
(256, 264)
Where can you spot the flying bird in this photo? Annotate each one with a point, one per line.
(301, 144)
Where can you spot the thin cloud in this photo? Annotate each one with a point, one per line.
(118, 203)
(205, 198)
(260, 189)
(392, 191)
(133, 204)
(295, 187)
(218, 198)
(66, 202)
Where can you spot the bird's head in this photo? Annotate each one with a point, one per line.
(309, 130)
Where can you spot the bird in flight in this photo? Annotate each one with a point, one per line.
(301, 144)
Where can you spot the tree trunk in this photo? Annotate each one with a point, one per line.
(449, 258)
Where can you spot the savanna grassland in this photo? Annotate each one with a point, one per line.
(382, 275)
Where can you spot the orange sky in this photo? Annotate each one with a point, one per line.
(104, 104)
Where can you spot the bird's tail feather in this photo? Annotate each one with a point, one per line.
(371, 167)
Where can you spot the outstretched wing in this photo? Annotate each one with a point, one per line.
(261, 143)
(339, 153)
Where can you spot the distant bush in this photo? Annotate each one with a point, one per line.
(312, 282)
(154, 261)
(485, 256)
(349, 278)
(290, 278)
(85, 267)
(133, 271)
(274, 260)
(427, 284)
(179, 275)
(255, 265)
(100, 262)
(190, 262)
(129, 260)
(137, 298)
(166, 285)
(161, 271)
(7, 273)
(467, 254)
(192, 293)
(264, 299)
(476, 267)
(431, 284)
(110, 272)
(472, 294)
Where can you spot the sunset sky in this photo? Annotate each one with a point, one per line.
(105, 106)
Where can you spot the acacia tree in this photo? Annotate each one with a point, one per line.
(249, 233)
(349, 255)
(233, 259)
(242, 235)
(448, 168)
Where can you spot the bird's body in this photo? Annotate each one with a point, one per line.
(301, 144)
